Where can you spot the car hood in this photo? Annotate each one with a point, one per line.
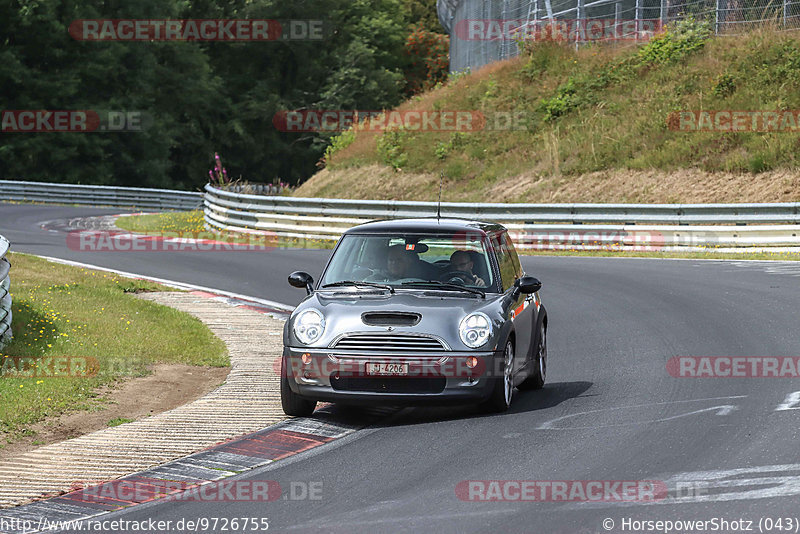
(440, 313)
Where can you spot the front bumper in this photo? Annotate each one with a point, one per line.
(440, 378)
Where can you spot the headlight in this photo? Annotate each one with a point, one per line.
(308, 326)
(475, 329)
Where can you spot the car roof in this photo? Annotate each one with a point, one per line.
(425, 226)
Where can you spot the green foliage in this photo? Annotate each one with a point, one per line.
(758, 163)
(457, 142)
(682, 38)
(202, 97)
(422, 14)
(566, 99)
(340, 142)
(390, 148)
(724, 86)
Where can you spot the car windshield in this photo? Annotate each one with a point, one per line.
(399, 261)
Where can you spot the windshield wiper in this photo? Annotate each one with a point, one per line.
(445, 285)
(363, 284)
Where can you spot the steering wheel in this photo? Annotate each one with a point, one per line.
(458, 276)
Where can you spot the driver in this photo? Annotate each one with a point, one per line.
(461, 261)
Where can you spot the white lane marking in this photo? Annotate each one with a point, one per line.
(173, 283)
(722, 485)
(791, 402)
(725, 409)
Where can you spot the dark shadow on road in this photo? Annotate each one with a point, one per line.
(524, 401)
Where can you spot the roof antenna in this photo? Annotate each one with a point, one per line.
(439, 205)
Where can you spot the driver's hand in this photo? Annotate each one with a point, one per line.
(479, 281)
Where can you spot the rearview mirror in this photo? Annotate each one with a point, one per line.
(302, 279)
(528, 284)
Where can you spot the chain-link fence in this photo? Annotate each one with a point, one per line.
(484, 31)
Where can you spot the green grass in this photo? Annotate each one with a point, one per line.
(119, 421)
(599, 108)
(190, 224)
(174, 221)
(90, 317)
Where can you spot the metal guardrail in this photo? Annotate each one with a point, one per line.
(5, 294)
(544, 226)
(99, 195)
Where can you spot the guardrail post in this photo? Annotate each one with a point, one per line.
(5, 294)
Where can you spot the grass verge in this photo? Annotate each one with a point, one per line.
(88, 316)
(190, 224)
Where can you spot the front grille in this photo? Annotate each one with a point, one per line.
(396, 384)
(389, 343)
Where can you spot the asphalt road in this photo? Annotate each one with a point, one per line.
(610, 410)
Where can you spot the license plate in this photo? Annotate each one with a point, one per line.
(387, 369)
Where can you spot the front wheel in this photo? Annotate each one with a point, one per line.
(503, 390)
(537, 379)
(292, 403)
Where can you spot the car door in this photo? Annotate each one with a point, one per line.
(521, 310)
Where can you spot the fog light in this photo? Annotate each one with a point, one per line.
(306, 358)
(472, 362)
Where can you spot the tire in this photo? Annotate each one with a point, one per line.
(293, 404)
(503, 390)
(537, 379)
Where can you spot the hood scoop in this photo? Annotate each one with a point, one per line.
(390, 318)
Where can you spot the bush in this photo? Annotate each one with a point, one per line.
(681, 39)
(429, 60)
(390, 149)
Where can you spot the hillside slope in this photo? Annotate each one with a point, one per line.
(600, 124)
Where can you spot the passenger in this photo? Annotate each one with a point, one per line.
(399, 262)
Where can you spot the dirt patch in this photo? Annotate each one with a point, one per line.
(681, 186)
(169, 386)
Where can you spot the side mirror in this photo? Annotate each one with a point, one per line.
(302, 279)
(528, 284)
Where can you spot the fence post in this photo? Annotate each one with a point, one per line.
(663, 13)
(580, 22)
(716, 17)
(638, 16)
(785, 12)
(617, 19)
